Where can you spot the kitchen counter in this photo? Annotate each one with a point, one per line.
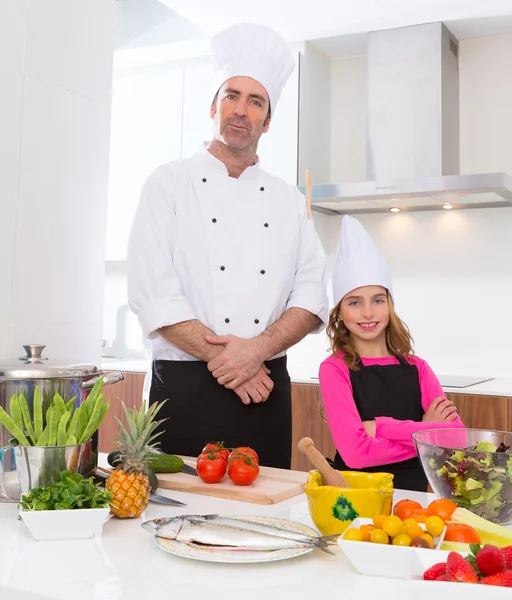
(123, 563)
(501, 386)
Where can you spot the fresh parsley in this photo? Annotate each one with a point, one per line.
(70, 491)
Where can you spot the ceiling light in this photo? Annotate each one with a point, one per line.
(447, 206)
(394, 209)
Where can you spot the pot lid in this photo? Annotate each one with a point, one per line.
(36, 366)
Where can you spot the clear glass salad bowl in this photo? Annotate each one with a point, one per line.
(472, 467)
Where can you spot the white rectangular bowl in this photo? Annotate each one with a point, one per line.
(79, 523)
(383, 560)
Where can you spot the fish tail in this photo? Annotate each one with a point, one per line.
(326, 550)
(329, 538)
(323, 541)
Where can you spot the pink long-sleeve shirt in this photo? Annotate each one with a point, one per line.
(392, 442)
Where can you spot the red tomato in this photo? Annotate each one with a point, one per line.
(217, 447)
(211, 468)
(246, 451)
(243, 471)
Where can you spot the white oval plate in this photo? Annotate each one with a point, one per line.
(239, 556)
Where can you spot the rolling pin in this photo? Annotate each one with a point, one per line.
(330, 475)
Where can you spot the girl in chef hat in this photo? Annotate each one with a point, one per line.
(376, 392)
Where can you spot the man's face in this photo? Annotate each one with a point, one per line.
(240, 113)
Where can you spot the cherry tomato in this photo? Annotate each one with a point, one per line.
(217, 447)
(211, 468)
(246, 451)
(243, 471)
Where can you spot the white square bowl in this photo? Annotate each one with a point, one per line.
(73, 524)
(383, 560)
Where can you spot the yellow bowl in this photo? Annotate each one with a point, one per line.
(334, 508)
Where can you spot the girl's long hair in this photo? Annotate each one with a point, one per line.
(398, 337)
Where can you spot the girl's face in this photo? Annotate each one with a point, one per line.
(365, 312)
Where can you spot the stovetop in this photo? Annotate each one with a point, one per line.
(461, 381)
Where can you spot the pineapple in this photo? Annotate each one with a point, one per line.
(129, 483)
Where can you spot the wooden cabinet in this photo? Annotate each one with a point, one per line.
(308, 421)
(128, 391)
(479, 412)
(484, 412)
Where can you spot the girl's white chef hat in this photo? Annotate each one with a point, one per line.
(256, 51)
(358, 261)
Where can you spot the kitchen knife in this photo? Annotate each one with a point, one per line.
(158, 499)
(189, 470)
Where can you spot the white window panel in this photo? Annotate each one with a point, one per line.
(145, 132)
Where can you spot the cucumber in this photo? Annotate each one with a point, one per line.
(113, 458)
(152, 480)
(165, 463)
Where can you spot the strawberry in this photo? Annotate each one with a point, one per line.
(507, 553)
(458, 569)
(435, 571)
(442, 578)
(490, 560)
(504, 579)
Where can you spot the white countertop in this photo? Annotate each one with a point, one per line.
(123, 563)
(501, 386)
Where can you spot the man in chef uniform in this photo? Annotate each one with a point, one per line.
(225, 272)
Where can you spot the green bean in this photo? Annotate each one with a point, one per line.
(90, 401)
(42, 440)
(54, 423)
(104, 410)
(93, 423)
(82, 423)
(62, 434)
(70, 403)
(59, 404)
(73, 425)
(12, 428)
(71, 441)
(38, 414)
(15, 410)
(26, 416)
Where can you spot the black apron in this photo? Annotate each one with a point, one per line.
(199, 410)
(389, 391)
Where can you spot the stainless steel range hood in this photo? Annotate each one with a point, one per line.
(413, 131)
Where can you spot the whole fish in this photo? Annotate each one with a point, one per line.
(236, 534)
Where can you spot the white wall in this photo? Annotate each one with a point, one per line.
(314, 115)
(452, 271)
(54, 139)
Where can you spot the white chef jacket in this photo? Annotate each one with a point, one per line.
(234, 254)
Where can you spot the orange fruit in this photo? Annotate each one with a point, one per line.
(366, 530)
(414, 531)
(421, 515)
(378, 520)
(443, 508)
(377, 536)
(353, 534)
(404, 508)
(392, 526)
(434, 525)
(460, 532)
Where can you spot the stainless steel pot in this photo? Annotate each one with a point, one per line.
(23, 374)
(25, 467)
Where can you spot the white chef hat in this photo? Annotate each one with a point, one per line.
(358, 261)
(256, 51)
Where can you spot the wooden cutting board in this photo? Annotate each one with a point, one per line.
(271, 486)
